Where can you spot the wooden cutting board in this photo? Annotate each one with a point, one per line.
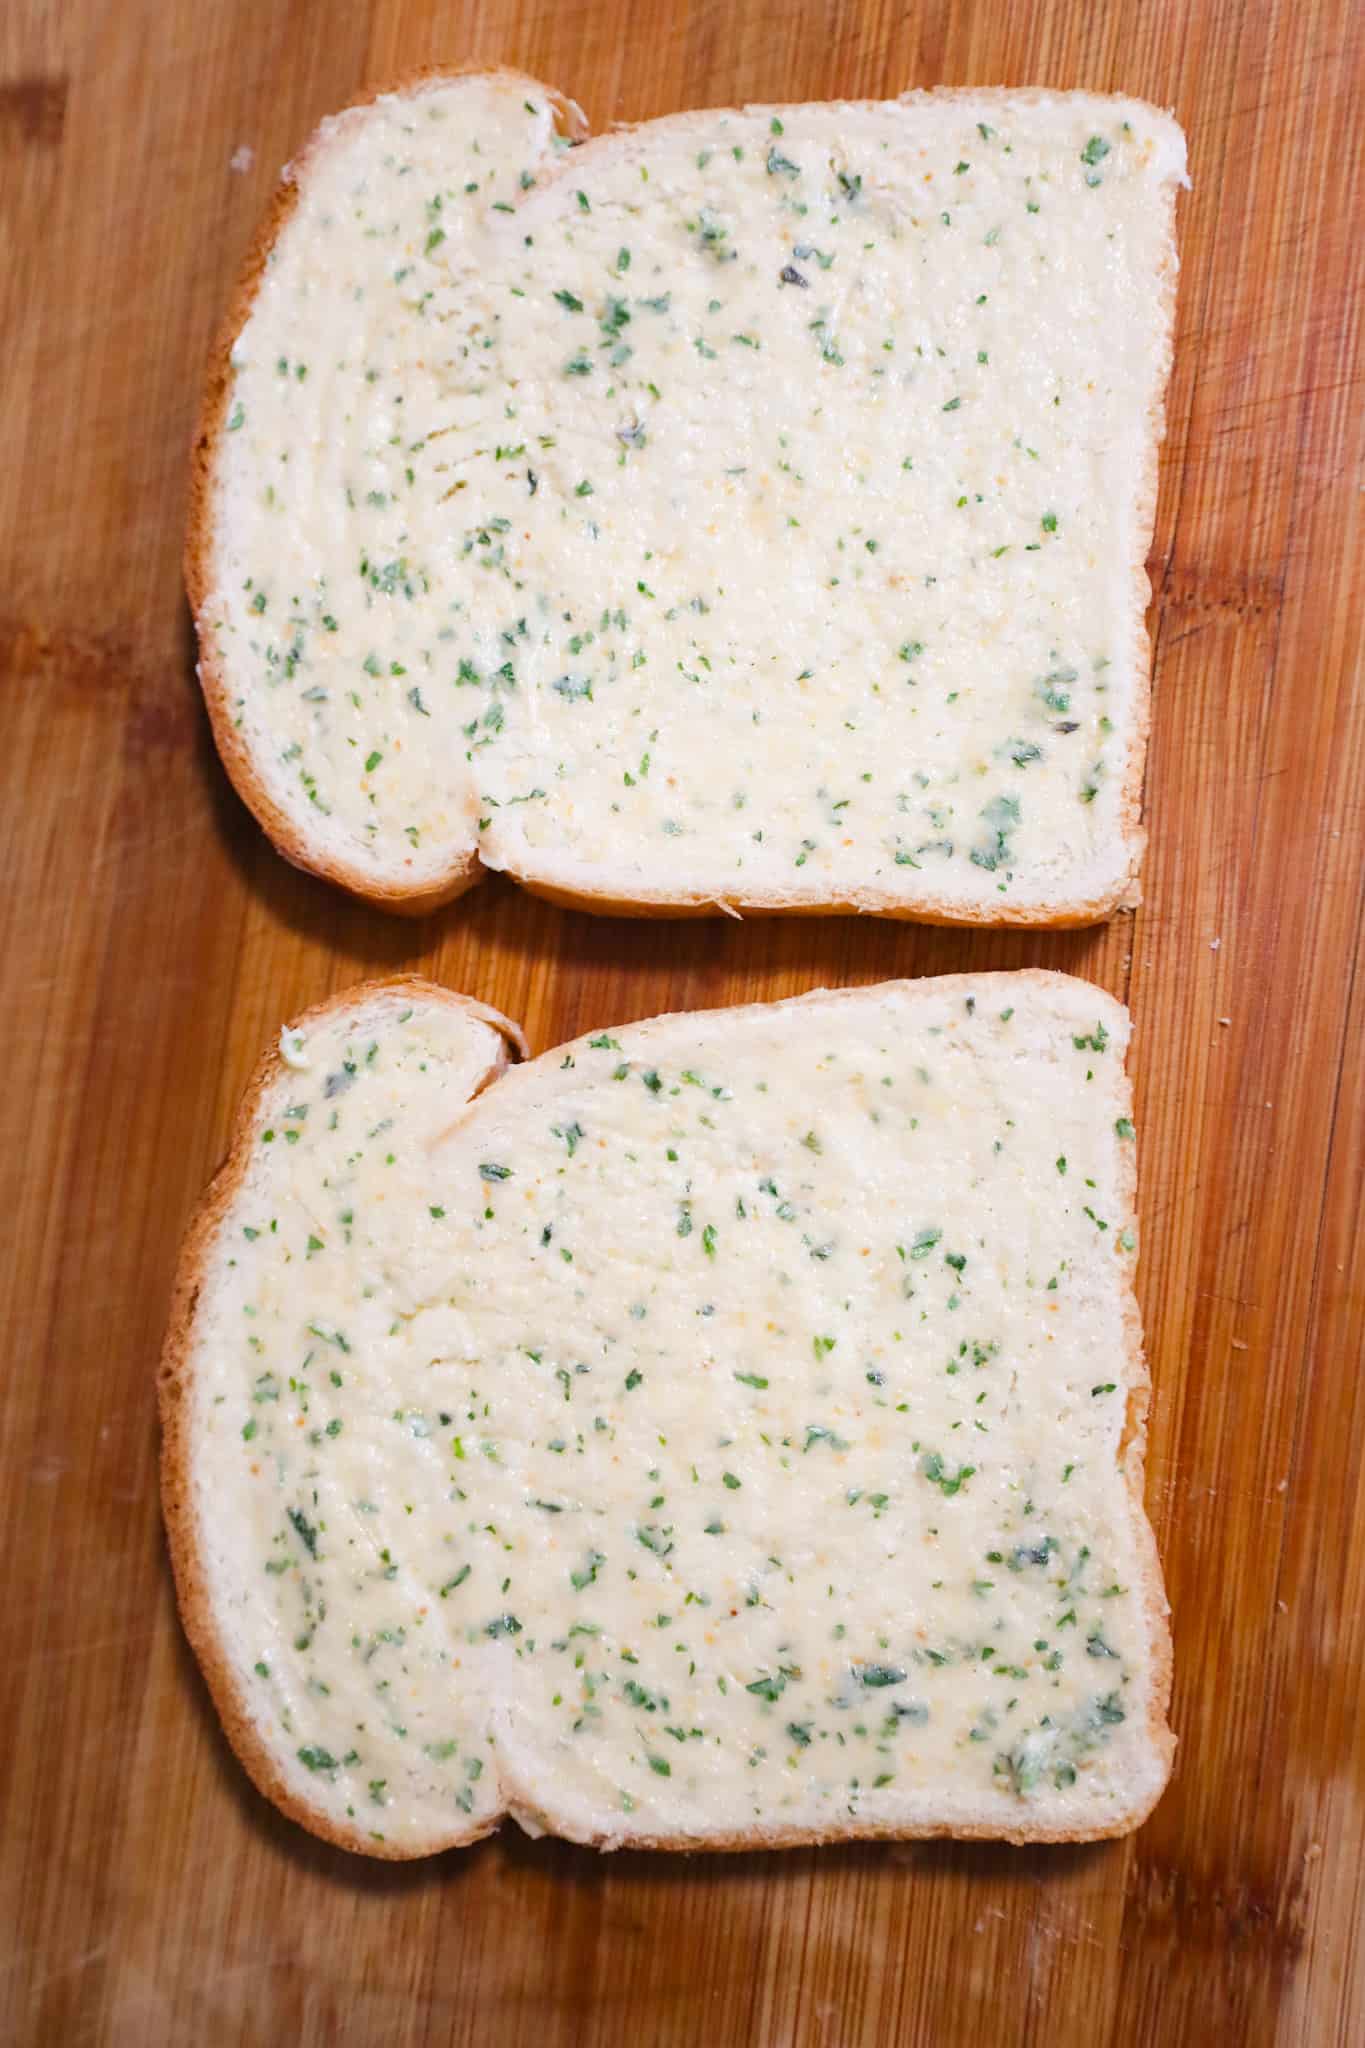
(151, 942)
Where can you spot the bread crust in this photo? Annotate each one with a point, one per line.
(466, 870)
(186, 1543)
(183, 1534)
(467, 867)
(866, 903)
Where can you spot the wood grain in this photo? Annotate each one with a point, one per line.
(150, 942)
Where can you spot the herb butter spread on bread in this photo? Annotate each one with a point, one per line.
(722, 1431)
(744, 510)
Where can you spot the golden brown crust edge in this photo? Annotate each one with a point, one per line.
(194, 1600)
(869, 903)
(468, 869)
(173, 1399)
(284, 833)
(1133, 831)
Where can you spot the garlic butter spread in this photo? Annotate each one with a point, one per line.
(714, 1425)
(753, 506)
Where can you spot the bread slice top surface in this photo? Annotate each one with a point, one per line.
(725, 1430)
(749, 508)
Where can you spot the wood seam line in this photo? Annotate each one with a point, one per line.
(1315, 1284)
(1323, 345)
(1201, 326)
(1204, 289)
(803, 1974)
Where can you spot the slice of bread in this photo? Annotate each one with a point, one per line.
(724, 1431)
(744, 511)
